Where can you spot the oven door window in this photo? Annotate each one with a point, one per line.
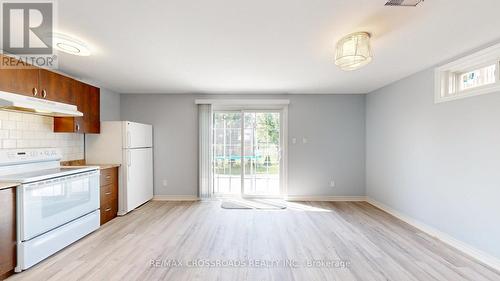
(52, 203)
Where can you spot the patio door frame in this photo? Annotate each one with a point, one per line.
(281, 108)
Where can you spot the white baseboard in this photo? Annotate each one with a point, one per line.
(288, 198)
(479, 255)
(175, 198)
(326, 198)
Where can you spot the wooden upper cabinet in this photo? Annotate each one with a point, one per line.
(56, 87)
(44, 84)
(23, 80)
(93, 119)
(87, 100)
(81, 104)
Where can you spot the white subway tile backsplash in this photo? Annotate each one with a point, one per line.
(4, 134)
(14, 116)
(22, 143)
(15, 134)
(19, 130)
(28, 135)
(9, 144)
(8, 124)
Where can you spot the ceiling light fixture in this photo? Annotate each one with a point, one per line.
(404, 3)
(67, 44)
(353, 51)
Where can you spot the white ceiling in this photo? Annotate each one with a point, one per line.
(264, 46)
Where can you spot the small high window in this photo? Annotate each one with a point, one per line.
(473, 75)
(478, 77)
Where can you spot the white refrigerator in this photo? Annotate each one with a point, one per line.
(129, 144)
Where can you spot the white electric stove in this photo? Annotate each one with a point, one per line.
(56, 205)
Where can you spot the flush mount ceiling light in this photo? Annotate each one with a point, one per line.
(353, 51)
(70, 45)
(404, 3)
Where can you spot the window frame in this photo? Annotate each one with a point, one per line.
(447, 77)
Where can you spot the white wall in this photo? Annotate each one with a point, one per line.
(110, 105)
(333, 124)
(437, 163)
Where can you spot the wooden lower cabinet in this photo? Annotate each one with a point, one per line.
(7, 232)
(109, 194)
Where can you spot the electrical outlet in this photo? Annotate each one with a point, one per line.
(165, 183)
(332, 183)
(294, 140)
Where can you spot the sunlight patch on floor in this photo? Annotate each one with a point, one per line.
(305, 207)
(259, 204)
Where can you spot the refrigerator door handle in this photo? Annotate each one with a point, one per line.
(129, 163)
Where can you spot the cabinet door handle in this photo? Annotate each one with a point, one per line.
(108, 177)
(107, 210)
(107, 193)
(44, 93)
(77, 127)
(35, 92)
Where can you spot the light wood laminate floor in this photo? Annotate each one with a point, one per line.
(376, 246)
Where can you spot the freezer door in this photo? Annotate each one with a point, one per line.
(138, 177)
(137, 135)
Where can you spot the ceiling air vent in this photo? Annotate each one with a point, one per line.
(403, 3)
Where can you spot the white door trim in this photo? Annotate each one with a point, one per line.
(284, 154)
(242, 102)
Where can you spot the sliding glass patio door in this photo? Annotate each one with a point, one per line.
(247, 153)
(227, 153)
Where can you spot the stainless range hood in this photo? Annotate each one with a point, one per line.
(26, 104)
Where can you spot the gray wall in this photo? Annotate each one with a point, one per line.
(110, 105)
(333, 124)
(438, 163)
